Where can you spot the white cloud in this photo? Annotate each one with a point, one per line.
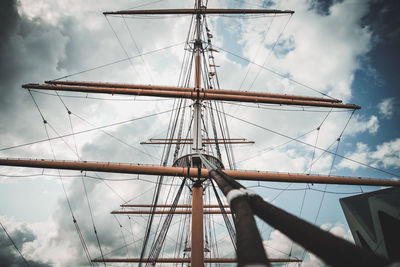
(385, 155)
(359, 124)
(386, 107)
(325, 55)
(339, 230)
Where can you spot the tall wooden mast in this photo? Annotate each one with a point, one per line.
(197, 239)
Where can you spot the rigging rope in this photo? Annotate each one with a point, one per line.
(158, 244)
(275, 147)
(273, 47)
(123, 48)
(117, 61)
(160, 178)
(161, 217)
(258, 48)
(122, 234)
(63, 187)
(93, 223)
(126, 99)
(76, 149)
(89, 130)
(147, 4)
(270, 107)
(221, 118)
(231, 230)
(276, 73)
(15, 246)
(82, 179)
(116, 138)
(310, 168)
(137, 48)
(166, 154)
(330, 171)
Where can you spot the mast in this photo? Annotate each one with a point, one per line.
(197, 239)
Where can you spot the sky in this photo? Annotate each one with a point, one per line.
(345, 49)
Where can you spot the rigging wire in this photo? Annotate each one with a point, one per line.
(77, 154)
(224, 134)
(231, 230)
(333, 162)
(123, 48)
(258, 48)
(137, 48)
(147, 4)
(126, 99)
(167, 148)
(76, 149)
(116, 138)
(213, 82)
(330, 171)
(122, 233)
(89, 130)
(310, 168)
(273, 48)
(160, 178)
(158, 244)
(316, 139)
(275, 147)
(15, 246)
(85, 248)
(270, 107)
(92, 219)
(179, 235)
(275, 72)
(162, 215)
(223, 125)
(166, 153)
(305, 188)
(252, 4)
(117, 61)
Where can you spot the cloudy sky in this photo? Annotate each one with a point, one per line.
(345, 49)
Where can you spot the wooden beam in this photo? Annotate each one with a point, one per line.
(213, 11)
(166, 212)
(193, 172)
(190, 95)
(204, 142)
(186, 89)
(190, 139)
(168, 206)
(186, 260)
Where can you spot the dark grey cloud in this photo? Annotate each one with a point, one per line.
(32, 50)
(29, 50)
(322, 6)
(9, 257)
(25, 51)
